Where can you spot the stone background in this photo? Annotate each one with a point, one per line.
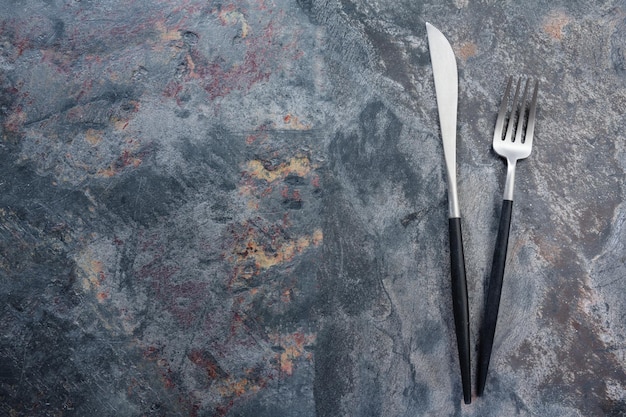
(238, 208)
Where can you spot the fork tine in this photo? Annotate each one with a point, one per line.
(530, 128)
(502, 112)
(509, 128)
(521, 113)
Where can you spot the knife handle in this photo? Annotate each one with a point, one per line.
(492, 303)
(460, 305)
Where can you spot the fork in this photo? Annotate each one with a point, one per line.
(513, 148)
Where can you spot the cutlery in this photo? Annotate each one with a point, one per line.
(513, 148)
(446, 90)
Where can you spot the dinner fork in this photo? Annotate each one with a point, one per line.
(513, 148)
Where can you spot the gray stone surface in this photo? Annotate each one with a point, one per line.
(238, 208)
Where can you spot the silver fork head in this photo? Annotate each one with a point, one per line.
(518, 146)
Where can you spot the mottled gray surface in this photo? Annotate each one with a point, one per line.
(238, 208)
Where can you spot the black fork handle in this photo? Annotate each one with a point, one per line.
(492, 303)
(460, 305)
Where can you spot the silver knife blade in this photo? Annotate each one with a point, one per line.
(447, 90)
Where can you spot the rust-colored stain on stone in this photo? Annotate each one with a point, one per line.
(467, 50)
(293, 122)
(555, 23)
(236, 387)
(126, 159)
(300, 166)
(93, 276)
(92, 271)
(93, 137)
(205, 360)
(15, 120)
(167, 34)
(256, 250)
(229, 15)
(293, 347)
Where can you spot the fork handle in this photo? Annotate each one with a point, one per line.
(492, 303)
(460, 305)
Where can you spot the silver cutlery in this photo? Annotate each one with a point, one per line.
(512, 148)
(446, 89)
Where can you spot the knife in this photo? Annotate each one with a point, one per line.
(446, 89)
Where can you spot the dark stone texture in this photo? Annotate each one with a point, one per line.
(238, 208)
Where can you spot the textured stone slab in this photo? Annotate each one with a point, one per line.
(238, 208)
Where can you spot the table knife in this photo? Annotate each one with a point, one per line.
(446, 89)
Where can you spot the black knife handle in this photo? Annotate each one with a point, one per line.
(492, 303)
(460, 305)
